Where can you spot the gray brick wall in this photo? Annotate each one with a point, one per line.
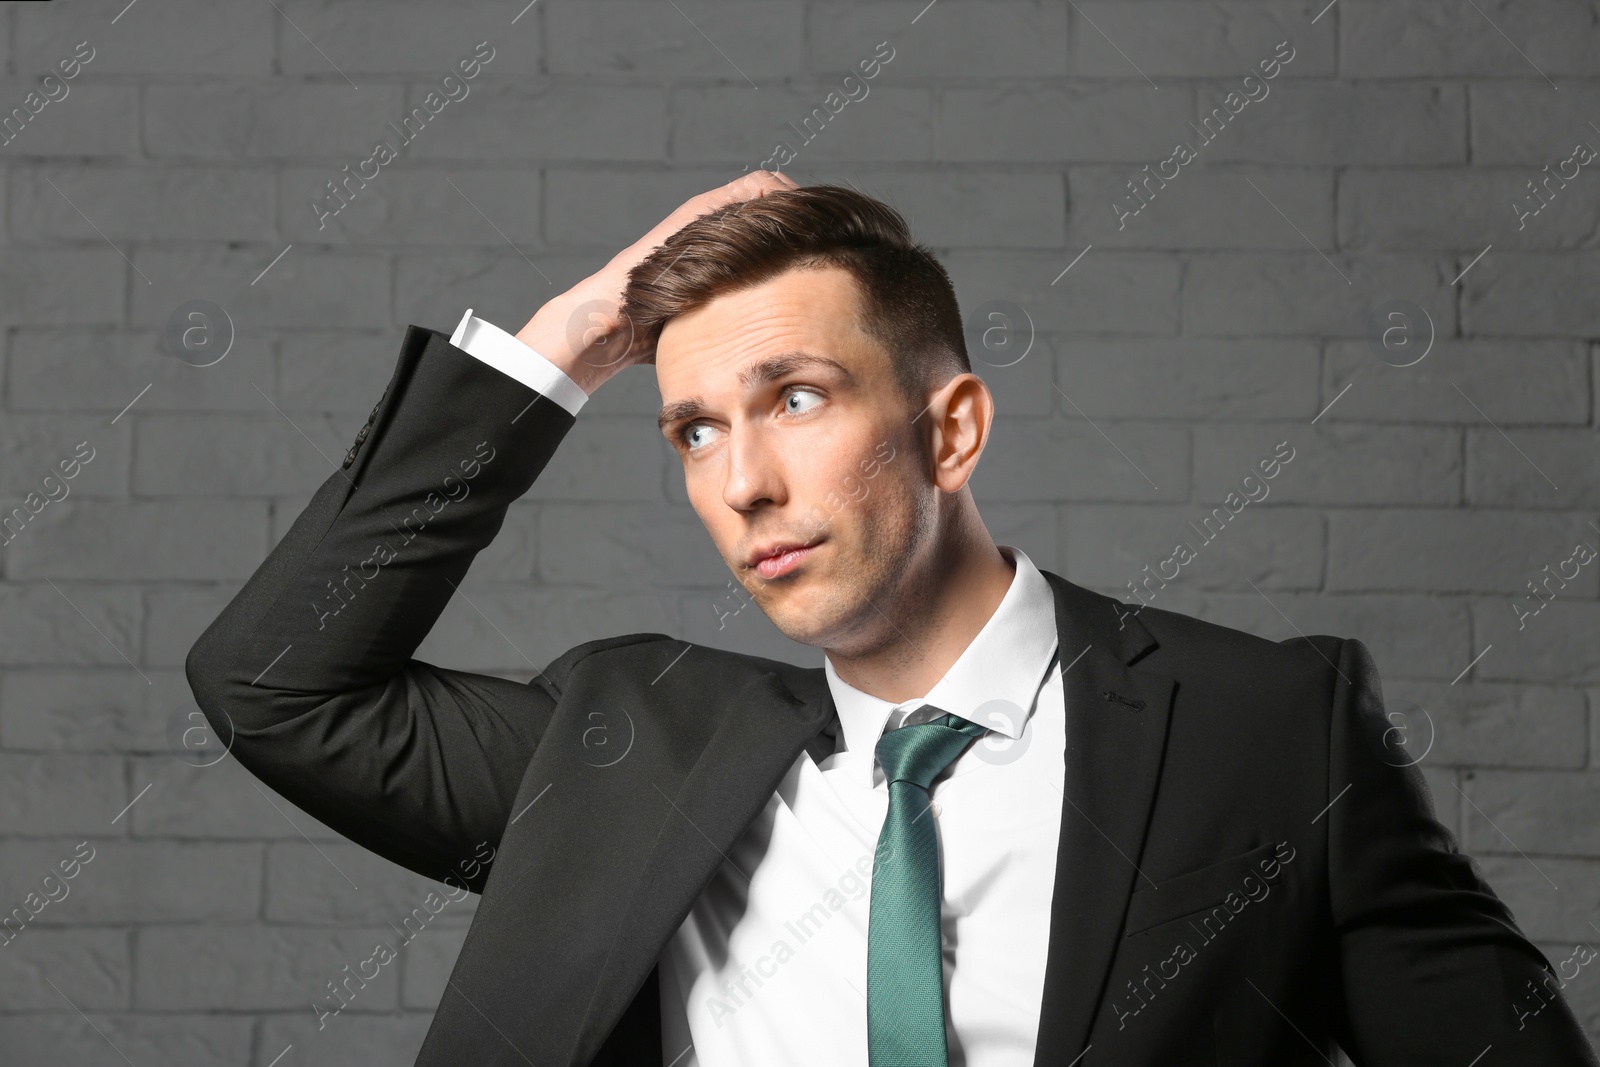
(1168, 355)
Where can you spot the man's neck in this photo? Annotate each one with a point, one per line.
(968, 589)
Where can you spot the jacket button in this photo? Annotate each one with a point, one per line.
(361, 435)
(350, 456)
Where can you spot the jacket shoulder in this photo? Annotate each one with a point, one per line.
(640, 654)
(1196, 648)
(560, 669)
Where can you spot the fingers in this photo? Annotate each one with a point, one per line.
(769, 180)
(745, 187)
(754, 184)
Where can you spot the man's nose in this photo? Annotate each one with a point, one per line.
(753, 474)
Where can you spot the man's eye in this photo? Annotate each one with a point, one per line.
(689, 432)
(799, 391)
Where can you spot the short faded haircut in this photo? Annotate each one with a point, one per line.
(908, 304)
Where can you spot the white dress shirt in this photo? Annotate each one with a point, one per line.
(502, 351)
(770, 965)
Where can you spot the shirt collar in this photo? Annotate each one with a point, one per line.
(1002, 669)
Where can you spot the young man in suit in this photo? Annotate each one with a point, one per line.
(1008, 821)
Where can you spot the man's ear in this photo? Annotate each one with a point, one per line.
(957, 422)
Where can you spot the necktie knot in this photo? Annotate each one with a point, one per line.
(919, 753)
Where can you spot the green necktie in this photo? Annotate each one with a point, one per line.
(905, 966)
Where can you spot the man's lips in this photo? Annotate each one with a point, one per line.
(774, 560)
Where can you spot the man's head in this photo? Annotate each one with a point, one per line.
(816, 388)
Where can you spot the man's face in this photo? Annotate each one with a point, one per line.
(803, 453)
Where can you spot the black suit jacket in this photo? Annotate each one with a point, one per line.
(1244, 874)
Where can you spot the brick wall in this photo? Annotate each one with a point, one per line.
(1171, 350)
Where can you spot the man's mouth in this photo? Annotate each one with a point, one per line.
(778, 560)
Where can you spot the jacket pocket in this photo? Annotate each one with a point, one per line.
(1197, 890)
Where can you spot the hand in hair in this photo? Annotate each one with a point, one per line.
(582, 332)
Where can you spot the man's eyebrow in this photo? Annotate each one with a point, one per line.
(758, 373)
(775, 367)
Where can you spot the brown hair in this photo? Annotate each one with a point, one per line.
(908, 304)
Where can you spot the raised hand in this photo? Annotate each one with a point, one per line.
(582, 332)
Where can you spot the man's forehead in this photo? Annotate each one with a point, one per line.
(746, 338)
(784, 312)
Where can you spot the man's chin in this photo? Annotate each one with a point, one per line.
(790, 611)
(807, 618)
(797, 626)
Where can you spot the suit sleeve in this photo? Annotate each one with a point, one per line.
(308, 672)
(1434, 969)
(483, 340)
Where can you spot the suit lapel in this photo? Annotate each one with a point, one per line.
(1114, 747)
(544, 974)
(704, 813)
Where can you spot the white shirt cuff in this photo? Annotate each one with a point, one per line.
(502, 351)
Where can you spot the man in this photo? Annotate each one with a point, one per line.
(1174, 844)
